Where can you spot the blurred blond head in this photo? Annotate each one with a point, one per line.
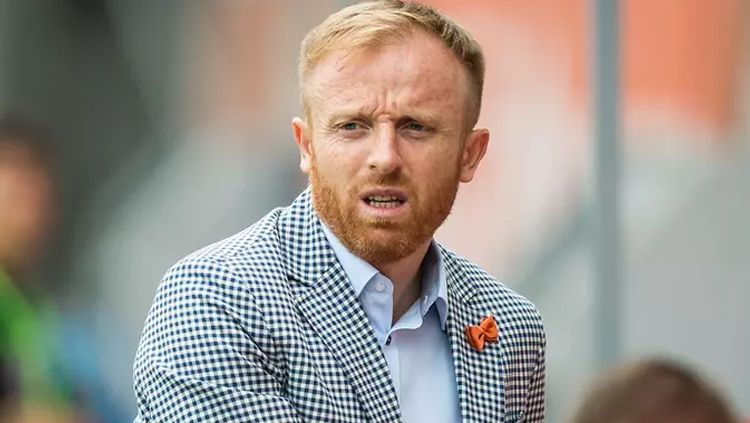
(366, 26)
(653, 391)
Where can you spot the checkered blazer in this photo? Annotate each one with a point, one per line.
(265, 327)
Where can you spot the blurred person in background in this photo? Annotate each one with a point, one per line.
(653, 391)
(32, 386)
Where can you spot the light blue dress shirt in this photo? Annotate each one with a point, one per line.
(416, 348)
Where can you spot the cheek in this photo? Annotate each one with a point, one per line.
(331, 171)
(330, 166)
(338, 159)
(435, 162)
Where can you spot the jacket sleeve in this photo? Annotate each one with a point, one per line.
(203, 355)
(535, 402)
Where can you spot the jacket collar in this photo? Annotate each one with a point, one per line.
(325, 297)
(479, 375)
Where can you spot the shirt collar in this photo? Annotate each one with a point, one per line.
(360, 272)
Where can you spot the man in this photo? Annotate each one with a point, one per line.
(341, 307)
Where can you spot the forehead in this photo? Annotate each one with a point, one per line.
(414, 71)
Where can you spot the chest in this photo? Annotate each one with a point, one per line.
(423, 378)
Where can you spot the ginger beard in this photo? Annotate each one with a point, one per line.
(382, 241)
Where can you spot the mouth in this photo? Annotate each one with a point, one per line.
(384, 198)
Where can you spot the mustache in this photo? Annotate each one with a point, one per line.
(390, 180)
(393, 178)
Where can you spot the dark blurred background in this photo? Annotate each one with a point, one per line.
(165, 126)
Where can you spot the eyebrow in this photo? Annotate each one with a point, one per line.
(343, 116)
(359, 114)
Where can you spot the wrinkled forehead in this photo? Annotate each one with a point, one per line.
(421, 68)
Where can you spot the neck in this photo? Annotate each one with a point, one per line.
(407, 283)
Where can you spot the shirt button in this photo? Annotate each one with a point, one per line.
(388, 341)
(380, 285)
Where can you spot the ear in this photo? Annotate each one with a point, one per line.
(302, 137)
(475, 146)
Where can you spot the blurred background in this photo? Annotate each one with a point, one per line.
(615, 193)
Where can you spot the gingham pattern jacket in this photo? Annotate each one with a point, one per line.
(265, 327)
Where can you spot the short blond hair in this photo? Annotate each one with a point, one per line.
(372, 24)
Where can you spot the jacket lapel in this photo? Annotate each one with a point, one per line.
(479, 375)
(327, 301)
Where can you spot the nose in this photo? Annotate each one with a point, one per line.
(385, 157)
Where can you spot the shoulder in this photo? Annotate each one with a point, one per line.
(257, 239)
(232, 266)
(232, 284)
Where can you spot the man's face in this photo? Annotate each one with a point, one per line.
(386, 144)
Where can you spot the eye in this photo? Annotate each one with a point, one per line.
(350, 126)
(415, 126)
(351, 129)
(414, 129)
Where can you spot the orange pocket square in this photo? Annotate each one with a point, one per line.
(486, 332)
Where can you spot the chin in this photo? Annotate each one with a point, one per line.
(381, 238)
(382, 246)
